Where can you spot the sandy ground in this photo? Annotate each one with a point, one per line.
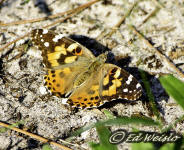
(22, 95)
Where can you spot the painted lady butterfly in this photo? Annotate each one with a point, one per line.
(73, 70)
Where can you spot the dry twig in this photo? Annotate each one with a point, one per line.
(159, 4)
(149, 16)
(10, 43)
(44, 140)
(121, 21)
(77, 10)
(51, 16)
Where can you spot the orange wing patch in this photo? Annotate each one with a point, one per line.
(55, 81)
(87, 98)
(111, 82)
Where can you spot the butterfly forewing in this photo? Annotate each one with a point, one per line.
(58, 50)
(64, 59)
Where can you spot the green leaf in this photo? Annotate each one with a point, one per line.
(104, 134)
(174, 87)
(129, 120)
(94, 146)
(108, 114)
(119, 121)
(142, 146)
(169, 146)
(179, 144)
(150, 94)
(46, 147)
(2, 130)
(24, 2)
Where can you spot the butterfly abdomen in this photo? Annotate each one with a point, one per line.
(93, 67)
(81, 78)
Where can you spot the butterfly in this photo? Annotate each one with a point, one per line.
(74, 72)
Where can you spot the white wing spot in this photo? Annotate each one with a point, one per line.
(138, 85)
(128, 82)
(57, 37)
(125, 90)
(42, 40)
(45, 31)
(40, 35)
(129, 79)
(46, 44)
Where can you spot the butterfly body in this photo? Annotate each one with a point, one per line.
(93, 67)
(73, 70)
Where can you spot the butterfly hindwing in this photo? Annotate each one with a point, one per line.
(119, 84)
(61, 81)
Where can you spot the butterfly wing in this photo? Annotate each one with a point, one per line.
(107, 83)
(119, 84)
(58, 50)
(64, 58)
(87, 95)
(61, 81)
